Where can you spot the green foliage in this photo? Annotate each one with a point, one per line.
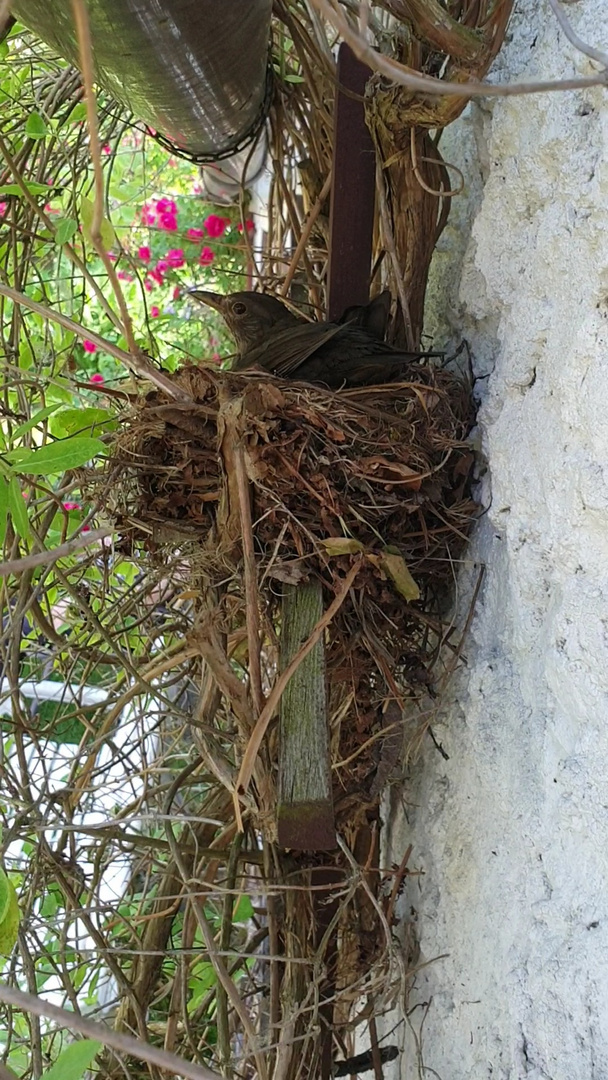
(65, 230)
(75, 421)
(74, 1061)
(106, 232)
(4, 507)
(54, 457)
(17, 508)
(93, 621)
(35, 127)
(9, 913)
(17, 190)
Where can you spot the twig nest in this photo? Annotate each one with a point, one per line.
(331, 473)
(379, 475)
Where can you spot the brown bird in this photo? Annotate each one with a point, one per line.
(350, 352)
(372, 317)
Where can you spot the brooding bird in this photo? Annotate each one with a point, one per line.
(350, 352)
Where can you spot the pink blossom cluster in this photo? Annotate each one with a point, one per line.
(163, 214)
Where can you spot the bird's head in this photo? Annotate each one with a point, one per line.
(249, 316)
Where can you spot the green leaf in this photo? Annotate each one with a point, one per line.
(87, 210)
(73, 421)
(199, 985)
(66, 227)
(5, 896)
(18, 510)
(55, 457)
(35, 126)
(10, 915)
(26, 356)
(243, 909)
(31, 185)
(74, 1061)
(3, 508)
(60, 390)
(34, 420)
(78, 113)
(57, 722)
(341, 545)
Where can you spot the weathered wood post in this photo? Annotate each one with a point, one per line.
(305, 818)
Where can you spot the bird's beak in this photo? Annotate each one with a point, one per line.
(214, 300)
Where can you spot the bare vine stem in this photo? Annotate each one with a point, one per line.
(414, 80)
(81, 20)
(574, 39)
(138, 363)
(125, 1044)
(41, 558)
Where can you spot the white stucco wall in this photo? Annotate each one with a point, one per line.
(512, 832)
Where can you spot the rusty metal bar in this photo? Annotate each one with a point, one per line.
(352, 191)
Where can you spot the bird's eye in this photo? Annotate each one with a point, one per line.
(239, 309)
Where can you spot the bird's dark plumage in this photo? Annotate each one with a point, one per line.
(350, 352)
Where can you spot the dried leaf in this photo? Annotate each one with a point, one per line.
(394, 567)
(390, 471)
(341, 545)
(290, 573)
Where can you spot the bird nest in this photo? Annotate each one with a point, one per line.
(261, 484)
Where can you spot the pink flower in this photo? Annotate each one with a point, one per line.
(192, 234)
(206, 256)
(107, 149)
(86, 528)
(112, 257)
(166, 206)
(124, 276)
(177, 292)
(72, 506)
(97, 378)
(51, 209)
(216, 356)
(148, 214)
(3, 208)
(168, 222)
(144, 253)
(250, 225)
(156, 276)
(175, 258)
(148, 285)
(162, 266)
(154, 311)
(89, 346)
(215, 225)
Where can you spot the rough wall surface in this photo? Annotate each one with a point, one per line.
(511, 832)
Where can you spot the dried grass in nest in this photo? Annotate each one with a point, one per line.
(379, 474)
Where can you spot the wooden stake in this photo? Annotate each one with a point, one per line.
(305, 812)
